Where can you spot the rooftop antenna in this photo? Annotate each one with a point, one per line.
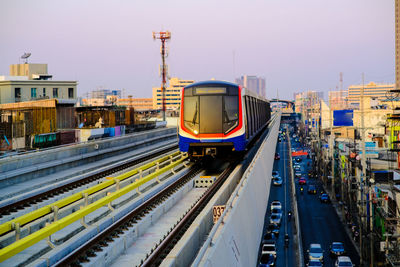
(25, 56)
(163, 36)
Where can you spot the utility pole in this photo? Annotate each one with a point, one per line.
(363, 161)
(163, 36)
(331, 148)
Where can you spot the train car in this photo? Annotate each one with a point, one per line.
(219, 117)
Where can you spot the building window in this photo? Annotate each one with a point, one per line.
(44, 91)
(70, 92)
(17, 94)
(55, 92)
(33, 92)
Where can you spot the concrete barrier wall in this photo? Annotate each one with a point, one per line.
(236, 241)
(60, 153)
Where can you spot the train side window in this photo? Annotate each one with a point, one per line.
(246, 103)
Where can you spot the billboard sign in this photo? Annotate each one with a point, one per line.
(343, 117)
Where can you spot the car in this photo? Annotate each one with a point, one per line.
(343, 261)
(313, 263)
(302, 181)
(276, 211)
(274, 229)
(315, 252)
(337, 249)
(276, 204)
(296, 167)
(267, 260)
(275, 218)
(277, 181)
(297, 174)
(298, 159)
(324, 198)
(269, 248)
(269, 236)
(279, 140)
(275, 173)
(312, 189)
(277, 156)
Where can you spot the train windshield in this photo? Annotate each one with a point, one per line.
(211, 110)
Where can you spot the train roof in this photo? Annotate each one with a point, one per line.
(225, 83)
(212, 82)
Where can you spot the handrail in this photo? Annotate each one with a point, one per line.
(24, 219)
(39, 235)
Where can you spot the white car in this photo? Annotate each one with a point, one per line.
(269, 248)
(276, 204)
(315, 252)
(277, 181)
(343, 261)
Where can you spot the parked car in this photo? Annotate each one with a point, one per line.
(313, 263)
(269, 236)
(298, 159)
(315, 252)
(302, 181)
(267, 260)
(276, 204)
(343, 261)
(269, 248)
(274, 229)
(297, 174)
(275, 218)
(337, 249)
(324, 198)
(312, 189)
(277, 156)
(275, 173)
(296, 167)
(277, 181)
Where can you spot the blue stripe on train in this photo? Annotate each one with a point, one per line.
(239, 142)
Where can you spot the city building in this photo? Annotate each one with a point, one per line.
(338, 99)
(172, 94)
(139, 104)
(372, 89)
(103, 93)
(253, 83)
(29, 82)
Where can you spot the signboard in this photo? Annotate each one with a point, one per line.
(299, 153)
(217, 212)
(343, 117)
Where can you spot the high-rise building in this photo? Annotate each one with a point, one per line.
(253, 83)
(372, 89)
(172, 94)
(338, 99)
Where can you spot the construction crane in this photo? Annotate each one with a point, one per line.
(163, 36)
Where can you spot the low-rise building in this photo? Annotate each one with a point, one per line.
(30, 82)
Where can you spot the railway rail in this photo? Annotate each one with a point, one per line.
(33, 200)
(158, 167)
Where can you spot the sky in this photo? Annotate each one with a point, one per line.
(297, 45)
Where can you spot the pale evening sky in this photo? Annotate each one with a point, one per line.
(296, 45)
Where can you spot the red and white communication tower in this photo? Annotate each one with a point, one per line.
(163, 36)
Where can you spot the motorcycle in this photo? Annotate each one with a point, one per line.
(286, 240)
(289, 215)
(301, 190)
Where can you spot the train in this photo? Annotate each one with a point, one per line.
(218, 118)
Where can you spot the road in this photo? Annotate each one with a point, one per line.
(285, 256)
(319, 222)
